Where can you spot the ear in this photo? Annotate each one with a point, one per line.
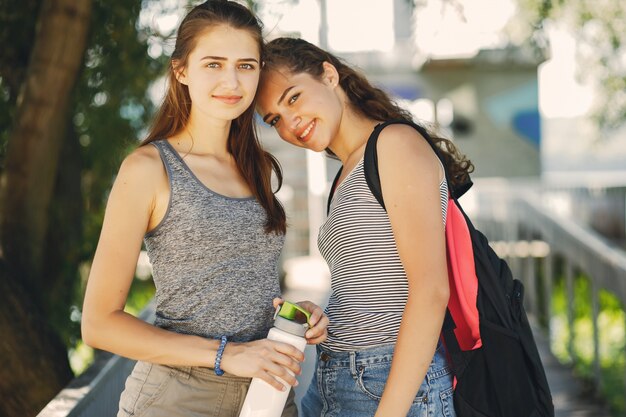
(330, 75)
(179, 71)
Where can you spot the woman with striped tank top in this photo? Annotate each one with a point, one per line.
(197, 192)
(389, 283)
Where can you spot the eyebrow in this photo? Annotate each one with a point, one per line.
(221, 58)
(282, 96)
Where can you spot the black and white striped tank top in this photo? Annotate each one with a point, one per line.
(369, 288)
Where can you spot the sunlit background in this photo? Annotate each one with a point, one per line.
(533, 91)
(448, 30)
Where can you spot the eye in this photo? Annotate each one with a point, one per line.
(293, 98)
(272, 122)
(247, 66)
(213, 65)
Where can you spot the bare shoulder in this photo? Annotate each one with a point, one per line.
(143, 164)
(141, 177)
(136, 189)
(402, 144)
(409, 172)
(400, 130)
(143, 160)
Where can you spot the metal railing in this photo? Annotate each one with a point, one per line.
(532, 237)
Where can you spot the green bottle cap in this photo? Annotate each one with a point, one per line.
(289, 310)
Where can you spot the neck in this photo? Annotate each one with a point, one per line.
(354, 130)
(209, 136)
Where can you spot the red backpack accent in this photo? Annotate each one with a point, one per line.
(462, 278)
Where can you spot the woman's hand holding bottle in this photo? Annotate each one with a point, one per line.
(264, 359)
(318, 321)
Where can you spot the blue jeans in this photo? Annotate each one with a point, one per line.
(350, 384)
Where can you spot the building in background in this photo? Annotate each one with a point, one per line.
(489, 104)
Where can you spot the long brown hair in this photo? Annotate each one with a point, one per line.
(255, 164)
(299, 56)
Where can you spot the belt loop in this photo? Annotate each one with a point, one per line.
(185, 371)
(353, 369)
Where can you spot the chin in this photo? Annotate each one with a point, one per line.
(232, 114)
(316, 148)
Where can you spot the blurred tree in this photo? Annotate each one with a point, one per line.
(600, 29)
(74, 76)
(39, 86)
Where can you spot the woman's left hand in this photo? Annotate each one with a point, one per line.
(318, 321)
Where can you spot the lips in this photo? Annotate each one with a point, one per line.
(228, 99)
(305, 134)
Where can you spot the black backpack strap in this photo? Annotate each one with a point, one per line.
(370, 161)
(332, 190)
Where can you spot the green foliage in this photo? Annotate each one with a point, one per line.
(112, 105)
(141, 292)
(611, 323)
(600, 29)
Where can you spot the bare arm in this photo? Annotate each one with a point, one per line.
(413, 203)
(138, 189)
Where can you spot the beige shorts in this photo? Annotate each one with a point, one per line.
(166, 391)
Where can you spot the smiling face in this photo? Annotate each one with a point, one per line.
(222, 73)
(305, 111)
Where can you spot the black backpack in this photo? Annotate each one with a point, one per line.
(497, 368)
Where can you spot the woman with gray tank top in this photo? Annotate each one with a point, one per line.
(198, 192)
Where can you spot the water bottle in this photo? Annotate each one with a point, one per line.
(263, 400)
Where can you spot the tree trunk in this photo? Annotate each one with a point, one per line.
(35, 142)
(34, 360)
(64, 242)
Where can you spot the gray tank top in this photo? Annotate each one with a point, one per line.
(214, 267)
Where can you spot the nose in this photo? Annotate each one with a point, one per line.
(230, 78)
(293, 120)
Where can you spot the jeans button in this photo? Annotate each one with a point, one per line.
(324, 356)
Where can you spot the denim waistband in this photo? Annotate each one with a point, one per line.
(376, 355)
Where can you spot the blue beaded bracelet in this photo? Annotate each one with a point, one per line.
(218, 356)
